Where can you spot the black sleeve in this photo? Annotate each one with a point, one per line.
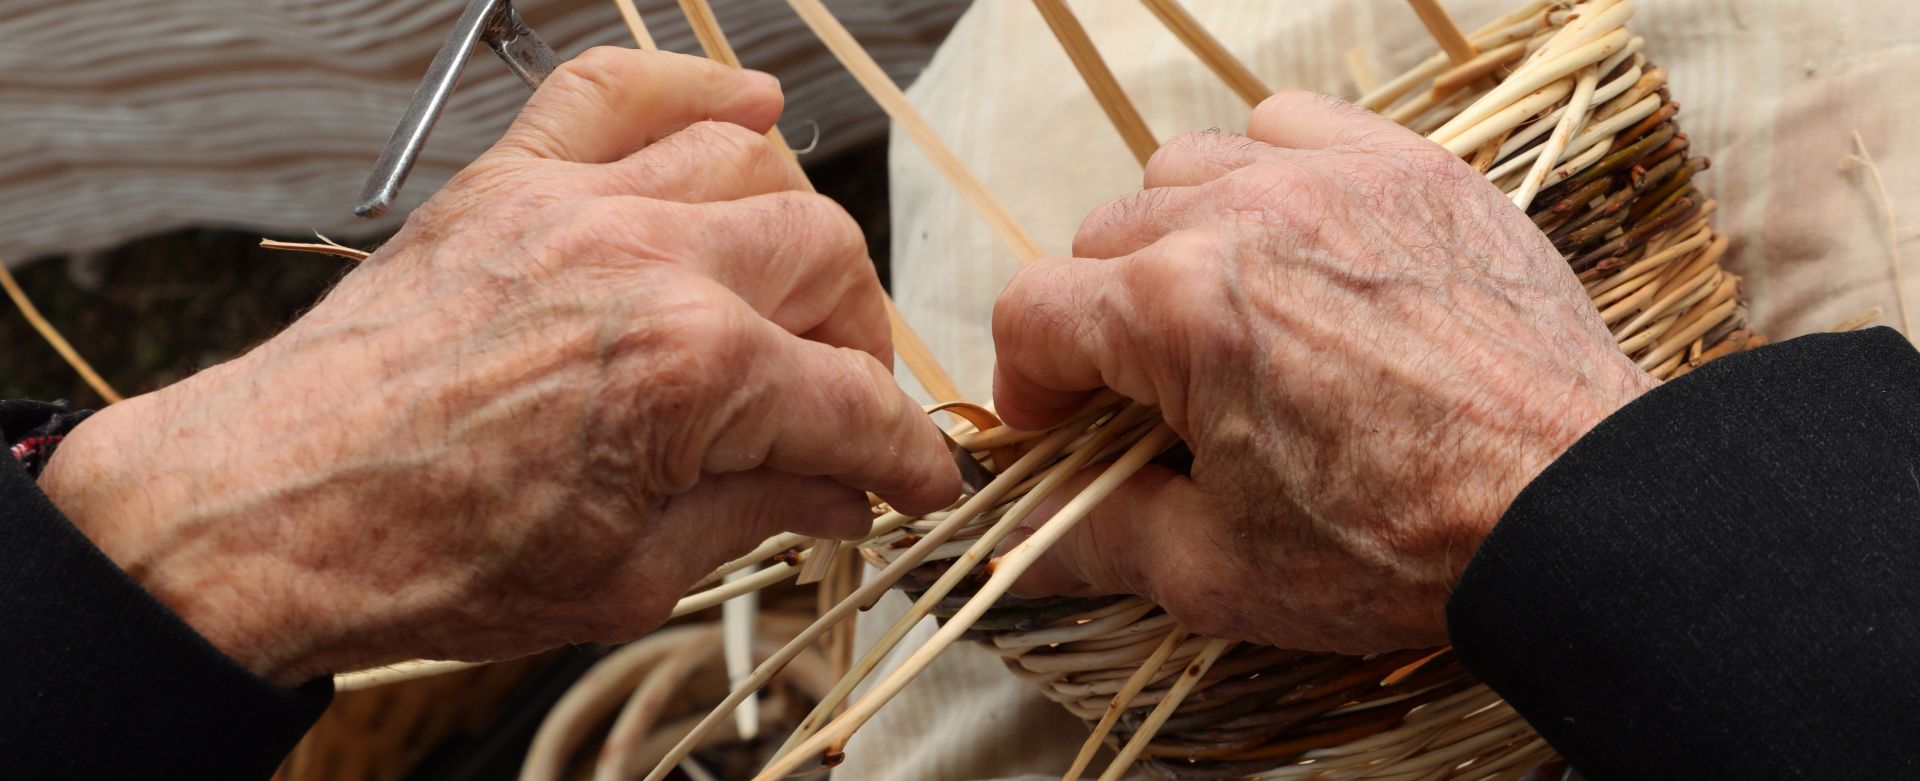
(1722, 580)
(98, 680)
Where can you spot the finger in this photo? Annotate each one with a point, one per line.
(611, 102)
(725, 515)
(801, 261)
(1059, 332)
(808, 408)
(1148, 533)
(1197, 158)
(1126, 225)
(1308, 120)
(796, 258)
(705, 161)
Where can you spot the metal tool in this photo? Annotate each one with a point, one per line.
(974, 476)
(499, 26)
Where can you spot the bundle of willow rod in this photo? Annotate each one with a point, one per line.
(1555, 104)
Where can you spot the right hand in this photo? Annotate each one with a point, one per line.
(1368, 348)
(622, 347)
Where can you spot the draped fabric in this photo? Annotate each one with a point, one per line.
(125, 117)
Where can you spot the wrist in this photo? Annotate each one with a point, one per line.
(125, 479)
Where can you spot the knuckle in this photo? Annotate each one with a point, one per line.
(699, 352)
(590, 227)
(858, 383)
(1433, 163)
(695, 341)
(1175, 155)
(594, 69)
(731, 143)
(828, 227)
(1201, 602)
(1276, 194)
(1280, 104)
(1029, 299)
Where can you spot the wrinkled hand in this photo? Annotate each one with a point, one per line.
(619, 349)
(1368, 348)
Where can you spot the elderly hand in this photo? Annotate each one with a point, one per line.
(622, 347)
(1368, 348)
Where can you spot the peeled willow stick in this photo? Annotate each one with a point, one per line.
(53, 337)
(1572, 121)
(635, 24)
(1189, 678)
(1445, 31)
(907, 343)
(1006, 570)
(870, 591)
(879, 85)
(1526, 80)
(713, 42)
(960, 568)
(1099, 78)
(1211, 52)
(1122, 699)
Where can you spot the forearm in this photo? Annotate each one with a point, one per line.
(1715, 582)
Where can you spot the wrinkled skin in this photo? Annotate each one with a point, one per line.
(1369, 350)
(621, 348)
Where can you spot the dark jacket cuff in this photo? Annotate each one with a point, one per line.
(1719, 580)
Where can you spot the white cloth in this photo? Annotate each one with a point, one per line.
(1772, 92)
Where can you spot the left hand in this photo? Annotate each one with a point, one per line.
(621, 348)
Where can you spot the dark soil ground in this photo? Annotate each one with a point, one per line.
(158, 309)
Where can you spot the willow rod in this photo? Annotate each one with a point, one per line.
(1006, 570)
(1189, 678)
(53, 337)
(960, 568)
(636, 25)
(713, 42)
(1445, 31)
(881, 87)
(1123, 698)
(907, 344)
(868, 592)
(1237, 76)
(1099, 78)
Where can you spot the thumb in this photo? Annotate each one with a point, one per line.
(1130, 544)
(726, 515)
